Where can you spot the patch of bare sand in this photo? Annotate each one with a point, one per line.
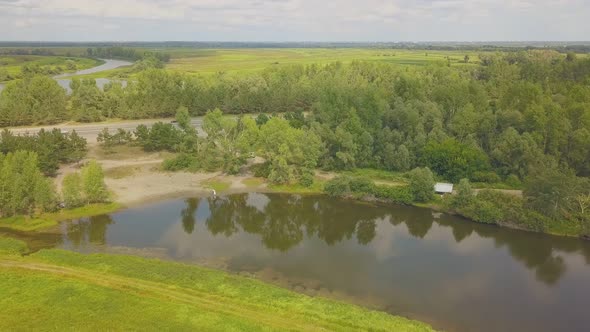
(146, 182)
(147, 185)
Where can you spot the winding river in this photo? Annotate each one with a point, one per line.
(455, 274)
(108, 64)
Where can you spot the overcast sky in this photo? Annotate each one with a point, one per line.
(294, 20)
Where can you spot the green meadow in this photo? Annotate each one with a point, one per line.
(210, 61)
(69, 291)
(243, 61)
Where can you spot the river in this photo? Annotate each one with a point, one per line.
(108, 64)
(452, 273)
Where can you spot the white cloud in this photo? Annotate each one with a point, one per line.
(294, 19)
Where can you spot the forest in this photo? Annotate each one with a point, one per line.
(515, 120)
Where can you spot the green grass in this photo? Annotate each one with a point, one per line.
(10, 246)
(498, 185)
(564, 227)
(60, 290)
(26, 223)
(243, 61)
(48, 220)
(217, 185)
(85, 211)
(253, 182)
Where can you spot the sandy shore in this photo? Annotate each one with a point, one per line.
(137, 180)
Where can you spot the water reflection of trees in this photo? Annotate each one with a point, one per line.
(188, 215)
(88, 230)
(538, 252)
(283, 220)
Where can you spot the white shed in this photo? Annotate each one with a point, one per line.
(443, 188)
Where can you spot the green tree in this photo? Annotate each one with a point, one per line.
(86, 100)
(71, 191)
(23, 188)
(553, 192)
(464, 196)
(93, 186)
(183, 119)
(35, 99)
(290, 151)
(421, 184)
(454, 160)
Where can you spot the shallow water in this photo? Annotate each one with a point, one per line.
(107, 65)
(455, 274)
(100, 82)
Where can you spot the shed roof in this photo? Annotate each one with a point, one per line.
(445, 188)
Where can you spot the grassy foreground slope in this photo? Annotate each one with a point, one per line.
(60, 290)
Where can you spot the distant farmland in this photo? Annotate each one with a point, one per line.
(208, 61)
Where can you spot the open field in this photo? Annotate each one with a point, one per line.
(70, 291)
(13, 63)
(252, 60)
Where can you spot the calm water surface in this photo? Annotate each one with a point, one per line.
(454, 274)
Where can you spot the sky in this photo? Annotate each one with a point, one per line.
(294, 20)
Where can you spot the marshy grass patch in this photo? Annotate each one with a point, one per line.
(27, 223)
(253, 182)
(217, 184)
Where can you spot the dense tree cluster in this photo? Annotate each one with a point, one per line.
(32, 100)
(23, 188)
(86, 187)
(51, 147)
(513, 113)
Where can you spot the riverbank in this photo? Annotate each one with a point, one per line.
(65, 290)
(49, 220)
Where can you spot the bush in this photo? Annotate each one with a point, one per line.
(338, 186)
(400, 195)
(306, 178)
(486, 177)
(484, 212)
(261, 170)
(493, 207)
(181, 162)
(464, 196)
(513, 181)
(361, 185)
(262, 119)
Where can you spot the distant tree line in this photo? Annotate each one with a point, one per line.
(126, 53)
